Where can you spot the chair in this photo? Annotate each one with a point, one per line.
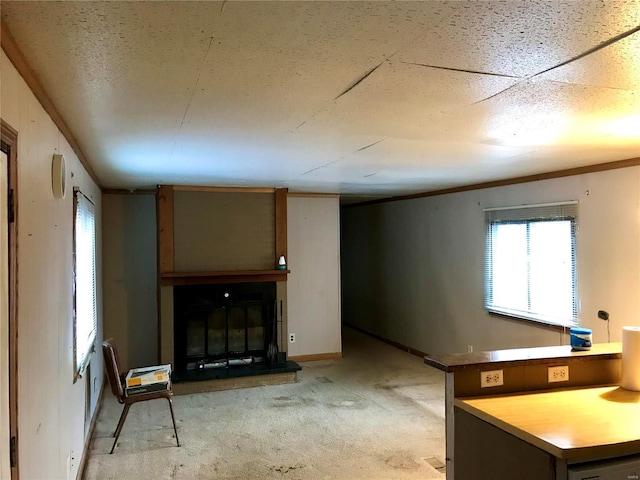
(116, 380)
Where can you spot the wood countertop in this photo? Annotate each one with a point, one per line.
(520, 356)
(577, 425)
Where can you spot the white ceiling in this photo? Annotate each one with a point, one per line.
(375, 98)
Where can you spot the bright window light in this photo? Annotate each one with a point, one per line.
(85, 299)
(530, 263)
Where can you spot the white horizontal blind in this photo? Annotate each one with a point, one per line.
(85, 299)
(530, 265)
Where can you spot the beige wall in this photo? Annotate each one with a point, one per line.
(413, 270)
(130, 277)
(311, 294)
(313, 286)
(220, 231)
(52, 424)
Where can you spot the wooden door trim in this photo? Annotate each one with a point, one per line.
(9, 141)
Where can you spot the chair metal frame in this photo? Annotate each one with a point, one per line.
(116, 381)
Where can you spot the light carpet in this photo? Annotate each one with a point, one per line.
(377, 413)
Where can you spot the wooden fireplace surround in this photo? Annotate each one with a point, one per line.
(168, 277)
(166, 252)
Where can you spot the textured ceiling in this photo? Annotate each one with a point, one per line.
(375, 98)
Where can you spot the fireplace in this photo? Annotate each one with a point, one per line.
(222, 326)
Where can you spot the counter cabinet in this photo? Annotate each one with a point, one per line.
(524, 370)
(485, 452)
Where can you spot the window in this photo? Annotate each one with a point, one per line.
(530, 268)
(85, 318)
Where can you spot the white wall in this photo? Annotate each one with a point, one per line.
(51, 417)
(313, 286)
(413, 270)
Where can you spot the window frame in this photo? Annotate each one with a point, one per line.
(528, 215)
(83, 206)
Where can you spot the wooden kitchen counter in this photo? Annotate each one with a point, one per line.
(525, 375)
(520, 356)
(575, 425)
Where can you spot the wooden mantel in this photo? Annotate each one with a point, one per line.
(234, 276)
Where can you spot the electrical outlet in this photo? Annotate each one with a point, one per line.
(492, 378)
(469, 348)
(558, 374)
(292, 338)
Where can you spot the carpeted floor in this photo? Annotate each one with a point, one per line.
(378, 413)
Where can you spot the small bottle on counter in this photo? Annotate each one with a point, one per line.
(581, 338)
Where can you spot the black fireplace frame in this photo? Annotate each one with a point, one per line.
(202, 300)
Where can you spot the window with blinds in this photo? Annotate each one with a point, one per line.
(530, 266)
(85, 316)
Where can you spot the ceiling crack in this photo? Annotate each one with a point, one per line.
(496, 94)
(591, 50)
(341, 158)
(351, 87)
(363, 77)
(562, 82)
(354, 85)
(302, 124)
(463, 70)
(600, 46)
(367, 146)
(193, 93)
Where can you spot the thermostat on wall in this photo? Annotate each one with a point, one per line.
(58, 176)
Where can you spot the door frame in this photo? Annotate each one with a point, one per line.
(9, 144)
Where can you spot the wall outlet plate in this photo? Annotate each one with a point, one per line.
(558, 374)
(491, 378)
(292, 338)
